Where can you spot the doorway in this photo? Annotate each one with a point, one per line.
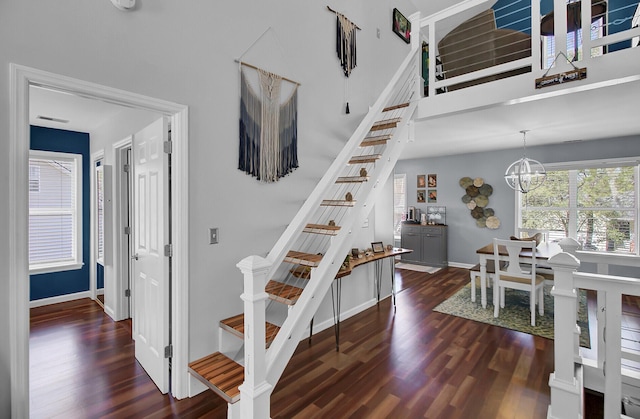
(21, 79)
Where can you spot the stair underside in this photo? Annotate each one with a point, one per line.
(394, 107)
(221, 374)
(385, 124)
(283, 293)
(377, 140)
(322, 229)
(337, 203)
(352, 179)
(302, 258)
(235, 325)
(369, 158)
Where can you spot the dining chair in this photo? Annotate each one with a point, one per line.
(515, 277)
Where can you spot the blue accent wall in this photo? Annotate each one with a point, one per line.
(60, 283)
(100, 276)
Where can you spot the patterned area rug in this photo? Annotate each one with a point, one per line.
(515, 315)
(417, 268)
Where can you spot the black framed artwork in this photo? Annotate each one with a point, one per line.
(401, 26)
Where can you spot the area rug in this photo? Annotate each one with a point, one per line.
(417, 268)
(516, 314)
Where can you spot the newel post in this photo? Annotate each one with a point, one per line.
(255, 392)
(566, 391)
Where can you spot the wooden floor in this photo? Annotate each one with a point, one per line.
(408, 364)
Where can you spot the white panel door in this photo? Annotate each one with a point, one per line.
(150, 265)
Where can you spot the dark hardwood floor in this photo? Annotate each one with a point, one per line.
(408, 364)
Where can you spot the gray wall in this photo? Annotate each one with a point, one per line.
(184, 52)
(464, 236)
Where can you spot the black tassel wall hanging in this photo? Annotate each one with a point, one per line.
(345, 47)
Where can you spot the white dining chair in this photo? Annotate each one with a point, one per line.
(515, 276)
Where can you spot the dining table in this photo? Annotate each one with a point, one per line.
(544, 251)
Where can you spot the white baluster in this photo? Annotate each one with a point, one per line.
(565, 389)
(255, 392)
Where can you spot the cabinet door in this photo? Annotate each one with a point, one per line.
(412, 241)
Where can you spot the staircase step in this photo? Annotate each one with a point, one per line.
(302, 258)
(374, 141)
(337, 203)
(235, 325)
(221, 374)
(283, 293)
(385, 124)
(302, 272)
(367, 158)
(394, 107)
(322, 229)
(352, 179)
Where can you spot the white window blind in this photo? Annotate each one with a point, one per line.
(597, 205)
(55, 214)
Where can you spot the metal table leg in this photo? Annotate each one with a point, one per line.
(335, 304)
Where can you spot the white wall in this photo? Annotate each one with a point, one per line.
(184, 52)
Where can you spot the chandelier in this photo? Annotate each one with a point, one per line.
(526, 174)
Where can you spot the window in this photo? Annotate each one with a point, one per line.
(100, 212)
(596, 203)
(55, 211)
(399, 203)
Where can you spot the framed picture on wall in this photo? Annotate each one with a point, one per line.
(422, 181)
(433, 195)
(432, 180)
(420, 195)
(401, 26)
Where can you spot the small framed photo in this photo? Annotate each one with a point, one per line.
(433, 195)
(432, 180)
(422, 181)
(377, 247)
(401, 26)
(420, 195)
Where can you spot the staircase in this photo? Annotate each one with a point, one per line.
(302, 265)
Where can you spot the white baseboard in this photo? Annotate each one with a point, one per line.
(319, 327)
(460, 265)
(59, 299)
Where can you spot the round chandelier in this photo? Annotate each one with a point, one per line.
(526, 174)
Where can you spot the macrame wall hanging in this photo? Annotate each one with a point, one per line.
(268, 148)
(345, 48)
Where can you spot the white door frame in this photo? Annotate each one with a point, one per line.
(93, 193)
(21, 78)
(121, 254)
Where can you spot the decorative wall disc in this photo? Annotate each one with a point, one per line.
(476, 198)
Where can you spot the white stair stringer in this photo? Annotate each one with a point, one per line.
(297, 321)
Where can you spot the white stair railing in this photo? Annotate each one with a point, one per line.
(572, 371)
(264, 368)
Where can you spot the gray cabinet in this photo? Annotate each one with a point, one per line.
(428, 242)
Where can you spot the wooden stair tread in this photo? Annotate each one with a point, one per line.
(221, 374)
(377, 140)
(302, 272)
(367, 158)
(394, 107)
(322, 229)
(352, 179)
(337, 203)
(283, 293)
(385, 124)
(302, 258)
(235, 326)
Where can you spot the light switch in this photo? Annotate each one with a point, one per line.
(213, 235)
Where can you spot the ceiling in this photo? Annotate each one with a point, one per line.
(593, 114)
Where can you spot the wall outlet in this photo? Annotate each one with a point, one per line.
(213, 235)
(378, 33)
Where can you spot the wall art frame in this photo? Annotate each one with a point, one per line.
(401, 26)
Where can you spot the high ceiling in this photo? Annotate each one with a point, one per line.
(593, 114)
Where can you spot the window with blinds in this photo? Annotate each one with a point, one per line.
(399, 203)
(597, 204)
(55, 215)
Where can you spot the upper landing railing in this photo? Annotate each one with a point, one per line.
(467, 47)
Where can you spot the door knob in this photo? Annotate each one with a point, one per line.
(135, 256)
